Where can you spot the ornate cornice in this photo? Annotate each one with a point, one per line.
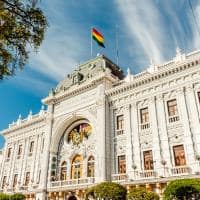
(79, 89)
(150, 78)
(24, 124)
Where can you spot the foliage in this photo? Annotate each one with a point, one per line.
(107, 190)
(17, 197)
(141, 194)
(12, 197)
(183, 189)
(22, 25)
(4, 196)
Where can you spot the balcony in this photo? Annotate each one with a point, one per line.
(147, 174)
(119, 177)
(173, 119)
(180, 170)
(72, 183)
(120, 132)
(144, 126)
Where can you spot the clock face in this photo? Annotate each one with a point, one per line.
(78, 133)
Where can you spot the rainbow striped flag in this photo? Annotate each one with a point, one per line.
(98, 37)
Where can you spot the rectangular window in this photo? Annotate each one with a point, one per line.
(148, 160)
(31, 147)
(179, 155)
(15, 180)
(172, 108)
(122, 164)
(4, 182)
(120, 122)
(19, 150)
(27, 179)
(144, 115)
(9, 152)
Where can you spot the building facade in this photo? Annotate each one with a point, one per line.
(139, 130)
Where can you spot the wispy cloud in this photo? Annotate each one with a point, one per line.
(62, 48)
(196, 26)
(36, 85)
(156, 28)
(144, 24)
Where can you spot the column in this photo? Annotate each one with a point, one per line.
(34, 160)
(37, 159)
(162, 127)
(103, 140)
(135, 137)
(48, 135)
(12, 163)
(194, 117)
(183, 112)
(156, 140)
(3, 162)
(112, 132)
(129, 145)
(23, 162)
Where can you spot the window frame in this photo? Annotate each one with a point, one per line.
(175, 111)
(119, 171)
(174, 157)
(152, 161)
(145, 119)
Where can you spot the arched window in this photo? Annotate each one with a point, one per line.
(63, 171)
(77, 167)
(90, 168)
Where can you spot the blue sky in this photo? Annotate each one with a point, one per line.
(147, 29)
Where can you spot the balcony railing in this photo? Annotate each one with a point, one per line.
(180, 170)
(73, 182)
(119, 177)
(144, 126)
(120, 132)
(173, 119)
(147, 174)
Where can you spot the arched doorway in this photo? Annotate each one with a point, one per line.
(63, 171)
(77, 167)
(72, 198)
(90, 167)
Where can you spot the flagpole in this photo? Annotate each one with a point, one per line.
(91, 49)
(117, 45)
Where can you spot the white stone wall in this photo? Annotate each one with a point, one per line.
(23, 134)
(99, 102)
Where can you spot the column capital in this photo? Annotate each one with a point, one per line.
(126, 107)
(180, 91)
(134, 104)
(160, 97)
(152, 99)
(189, 88)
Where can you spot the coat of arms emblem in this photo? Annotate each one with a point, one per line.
(79, 132)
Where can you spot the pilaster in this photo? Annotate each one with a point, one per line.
(12, 163)
(48, 135)
(183, 112)
(162, 128)
(129, 145)
(135, 137)
(34, 160)
(156, 139)
(194, 117)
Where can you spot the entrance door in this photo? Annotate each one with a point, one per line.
(72, 198)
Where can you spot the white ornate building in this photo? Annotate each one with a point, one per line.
(141, 130)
